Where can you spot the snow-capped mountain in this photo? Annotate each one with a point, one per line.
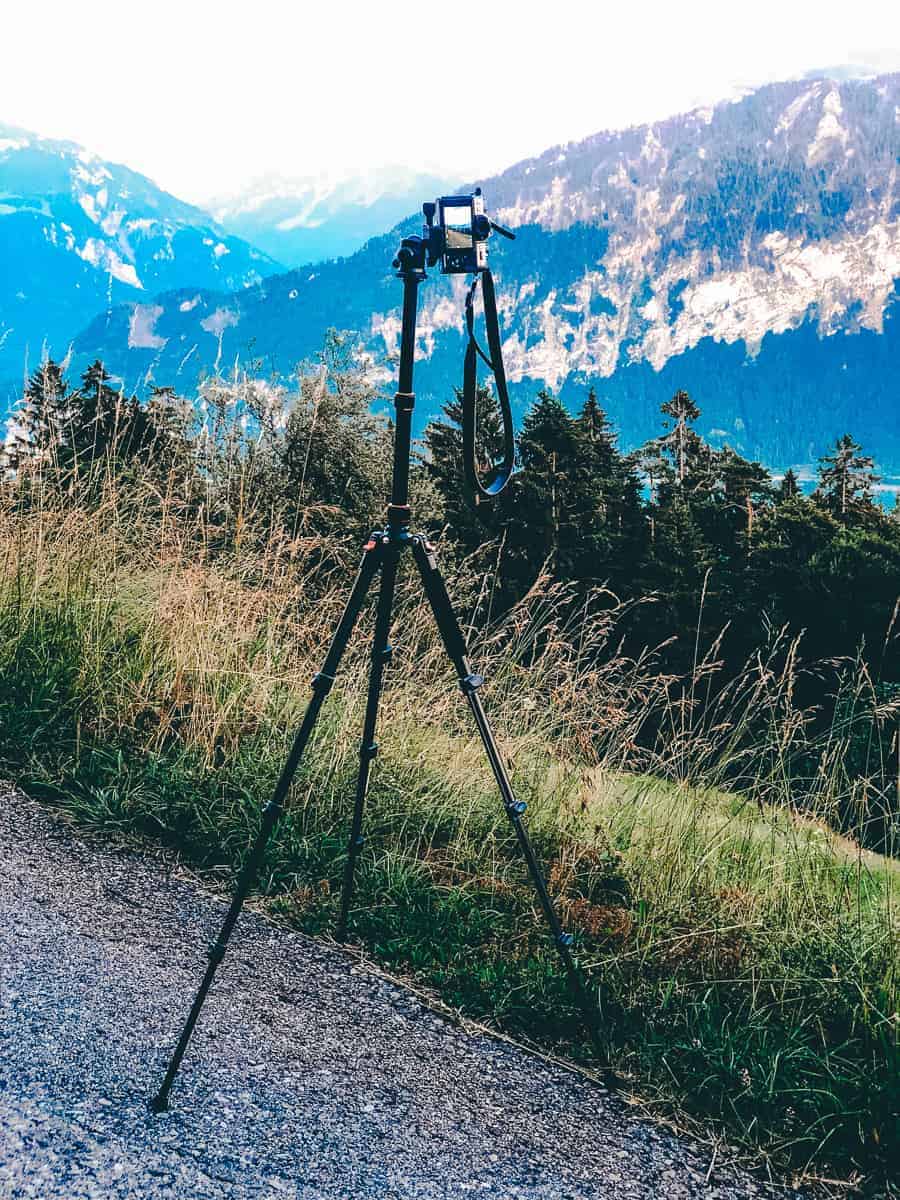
(749, 252)
(306, 220)
(79, 235)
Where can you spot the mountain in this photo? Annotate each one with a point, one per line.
(305, 220)
(79, 235)
(748, 252)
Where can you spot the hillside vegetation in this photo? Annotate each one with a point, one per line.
(167, 593)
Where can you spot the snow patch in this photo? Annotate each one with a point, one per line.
(829, 130)
(557, 209)
(111, 222)
(102, 256)
(794, 109)
(652, 146)
(86, 200)
(141, 334)
(219, 249)
(216, 323)
(189, 305)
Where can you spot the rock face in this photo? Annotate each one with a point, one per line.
(749, 252)
(79, 235)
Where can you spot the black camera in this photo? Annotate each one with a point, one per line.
(455, 235)
(464, 229)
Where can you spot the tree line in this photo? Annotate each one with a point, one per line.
(714, 538)
(719, 542)
(701, 549)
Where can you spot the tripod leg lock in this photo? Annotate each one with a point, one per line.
(516, 808)
(216, 952)
(368, 751)
(322, 683)
(564, 939)
(384, 655)
(471, 683)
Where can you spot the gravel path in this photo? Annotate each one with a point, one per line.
(308, 1076)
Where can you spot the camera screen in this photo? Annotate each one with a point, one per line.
(458, 226)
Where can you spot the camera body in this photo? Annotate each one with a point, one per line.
(464, 228)
(455, 236)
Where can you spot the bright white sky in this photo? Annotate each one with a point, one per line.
(205, 96)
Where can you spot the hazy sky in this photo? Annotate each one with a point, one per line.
(205, 96)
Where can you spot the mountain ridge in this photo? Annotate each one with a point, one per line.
(668, 248)
(79, 234)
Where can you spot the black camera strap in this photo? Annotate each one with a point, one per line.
(500, 473)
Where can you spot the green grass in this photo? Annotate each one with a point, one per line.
(744, 957)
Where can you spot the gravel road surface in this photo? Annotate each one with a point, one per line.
(308, 1076)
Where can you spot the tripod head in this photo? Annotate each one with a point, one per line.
(455, 236)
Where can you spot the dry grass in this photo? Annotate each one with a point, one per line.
(744, 954)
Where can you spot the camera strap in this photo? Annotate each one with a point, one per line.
(500, 473)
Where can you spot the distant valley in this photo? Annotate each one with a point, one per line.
(299, 221)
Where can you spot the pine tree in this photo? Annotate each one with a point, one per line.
(789, 488)
(652, 462)
(549, 451)
(96, 417)
(846, 480)
(605, 501)
(98, 424)
(444, 466)
(681, 438)
(42, 417)
(745, 486)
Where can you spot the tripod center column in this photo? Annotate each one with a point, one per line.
(404, 401)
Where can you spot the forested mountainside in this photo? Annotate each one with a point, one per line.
(748, 252)
(79, 235)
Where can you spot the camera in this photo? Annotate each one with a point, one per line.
(464, 229)
(455, 235)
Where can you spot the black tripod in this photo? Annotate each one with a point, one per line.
(381, 554)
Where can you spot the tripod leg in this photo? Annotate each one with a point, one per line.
(381, 655)
(321, 684)
(469, 682)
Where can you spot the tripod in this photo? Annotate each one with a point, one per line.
(380, 557)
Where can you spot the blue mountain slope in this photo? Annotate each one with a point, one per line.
(79, 235)
(748, 252)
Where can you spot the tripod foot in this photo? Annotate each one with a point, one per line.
(159, 1103)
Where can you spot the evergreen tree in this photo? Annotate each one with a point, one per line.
(548, 526)
(789, 488)
(104, 427)
(651, 461)
(605, 502)
(676, 573)
(744, 488)
(682, 441)
(42, 418)
(846, 480)
(96, 418)
(444, 465)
